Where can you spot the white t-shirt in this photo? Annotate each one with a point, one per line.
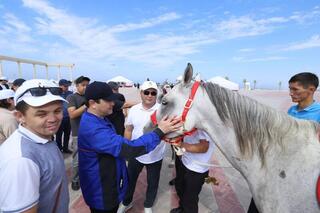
(196, 161)
(138, 118)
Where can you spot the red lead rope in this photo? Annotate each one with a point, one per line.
(186, 109)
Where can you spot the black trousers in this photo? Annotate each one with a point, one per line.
(114, 210)
(153, 176)
(64, 130)
(188, 185)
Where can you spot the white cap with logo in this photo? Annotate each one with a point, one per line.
(6, 93)
(23, 93)
(149, 85)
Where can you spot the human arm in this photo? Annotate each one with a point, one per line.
(75, 113)
(200, 147)
(128, 131)
(33, 209)
(129, 104)
(107, 141)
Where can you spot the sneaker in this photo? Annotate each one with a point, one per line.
(75, 186)
(122, 208)
(147, 210)
(176, 210)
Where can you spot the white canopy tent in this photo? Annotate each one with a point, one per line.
(122, 81)
(224, 83)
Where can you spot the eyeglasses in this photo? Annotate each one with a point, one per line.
(146, 92)
(41, 91)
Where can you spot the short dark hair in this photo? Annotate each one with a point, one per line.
(22, 107)
(4, 104)
(81, 79)
(306, 79)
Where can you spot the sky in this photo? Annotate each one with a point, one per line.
(262, 41)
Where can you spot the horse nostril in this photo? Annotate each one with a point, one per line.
(282, 174)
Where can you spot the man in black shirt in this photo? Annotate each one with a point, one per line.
(117, 117)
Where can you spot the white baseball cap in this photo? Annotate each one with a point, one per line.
(149, 85)
(6, 93)
(3, 78)
(23, 93)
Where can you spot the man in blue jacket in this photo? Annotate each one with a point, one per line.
(102, 153)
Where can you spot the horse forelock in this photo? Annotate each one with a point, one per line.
(257, 127)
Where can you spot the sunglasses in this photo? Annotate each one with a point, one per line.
(41, 91)
(153, 93)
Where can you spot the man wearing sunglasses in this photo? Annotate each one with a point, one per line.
(138, 116)
(8, 123)
(32, 171)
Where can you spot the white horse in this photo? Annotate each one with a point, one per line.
(278, 156)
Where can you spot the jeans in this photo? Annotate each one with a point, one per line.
(75, 161)
(153, 176)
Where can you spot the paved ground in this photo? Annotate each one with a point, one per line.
(230, 196)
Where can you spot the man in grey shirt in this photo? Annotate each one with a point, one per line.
(76, 108)
(32, 172)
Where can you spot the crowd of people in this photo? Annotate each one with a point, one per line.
(108, 146)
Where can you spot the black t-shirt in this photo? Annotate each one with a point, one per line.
(117, 117)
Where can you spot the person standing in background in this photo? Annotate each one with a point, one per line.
(65, 127)
(4, 83)
(76, 107)
(17, 83)
(138, 117)
(8, 122)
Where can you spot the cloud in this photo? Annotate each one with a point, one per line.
(250, 25)
(313, 42)
(245, 50)
(15, 35)
(145, 24)
(270, 58)
(17, 28)
(85, 38)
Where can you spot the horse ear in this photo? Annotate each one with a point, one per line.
(187, 76)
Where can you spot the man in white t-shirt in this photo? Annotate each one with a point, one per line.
(138, 116)
(191, 170)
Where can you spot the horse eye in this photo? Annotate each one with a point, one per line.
(164, 102)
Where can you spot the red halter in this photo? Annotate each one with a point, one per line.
(318, 190)
(186, 109)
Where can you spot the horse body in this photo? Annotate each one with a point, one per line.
(278, 156)
(286, 181)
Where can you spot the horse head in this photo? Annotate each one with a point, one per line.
(178, 102)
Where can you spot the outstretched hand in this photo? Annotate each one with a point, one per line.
(170, 124)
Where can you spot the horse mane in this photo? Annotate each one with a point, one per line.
(270, 126)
